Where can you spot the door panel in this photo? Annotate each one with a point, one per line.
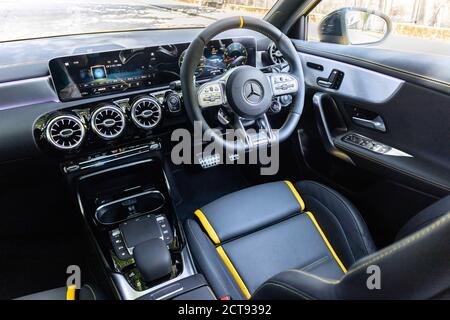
(358, 83)
(415, 122)
(410, 118)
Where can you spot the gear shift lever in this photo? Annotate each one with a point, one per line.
(152, 259)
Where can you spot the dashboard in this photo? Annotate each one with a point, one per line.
(30, 106)
(32, 113)
(95, 74)
(116, 97)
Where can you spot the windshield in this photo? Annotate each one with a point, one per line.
(26, 19)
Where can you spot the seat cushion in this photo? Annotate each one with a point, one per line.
(291, 244)
(246, 238)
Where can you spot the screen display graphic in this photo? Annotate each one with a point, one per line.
(98, 72)
(87, 75)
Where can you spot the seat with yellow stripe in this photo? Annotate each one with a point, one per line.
(243, 239)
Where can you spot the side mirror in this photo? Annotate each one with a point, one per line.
(354, 26)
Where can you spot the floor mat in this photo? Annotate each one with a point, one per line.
(198, 188)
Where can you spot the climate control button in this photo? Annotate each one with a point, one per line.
(173, 102)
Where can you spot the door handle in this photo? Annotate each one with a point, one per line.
(321, 102)
(376, 124)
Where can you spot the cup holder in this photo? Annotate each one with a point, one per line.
(120, 210)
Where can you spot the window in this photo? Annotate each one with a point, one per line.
(417, 25)
(26, 19)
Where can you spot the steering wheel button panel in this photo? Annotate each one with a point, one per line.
(283, 84)
(210, 95)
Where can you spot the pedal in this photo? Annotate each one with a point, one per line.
(208, 161)
(233, 157)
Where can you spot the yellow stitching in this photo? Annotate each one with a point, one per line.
(329, 281)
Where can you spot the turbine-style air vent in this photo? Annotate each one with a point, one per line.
(275, 55)
(65, 132)
(108, 122)
(146, 112)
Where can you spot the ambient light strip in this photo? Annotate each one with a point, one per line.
(311, 216)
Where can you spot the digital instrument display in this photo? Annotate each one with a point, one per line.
(94, 74)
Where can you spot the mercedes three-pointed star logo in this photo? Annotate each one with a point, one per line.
(253, 91)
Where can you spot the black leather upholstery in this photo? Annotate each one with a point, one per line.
(294, 243)
(262, 246)
(416, 267)
(425, 217)
(335, 213)
(210, 263)
(250, 209)
(262, 231)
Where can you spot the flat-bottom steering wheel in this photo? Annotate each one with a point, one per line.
(245, 90)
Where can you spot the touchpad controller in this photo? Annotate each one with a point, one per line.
(138, 230)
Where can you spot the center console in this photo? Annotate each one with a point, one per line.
(117, 108)
(129, 213)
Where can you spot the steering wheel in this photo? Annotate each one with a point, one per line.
(244, 90)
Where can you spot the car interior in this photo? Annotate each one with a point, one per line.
(90, 187)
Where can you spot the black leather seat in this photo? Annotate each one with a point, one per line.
(307, 241)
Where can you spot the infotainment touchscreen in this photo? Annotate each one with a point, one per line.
(87, 75)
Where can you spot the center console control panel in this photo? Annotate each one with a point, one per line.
(138, 230)
(129, 213)
(128, 210)
(99, 159)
